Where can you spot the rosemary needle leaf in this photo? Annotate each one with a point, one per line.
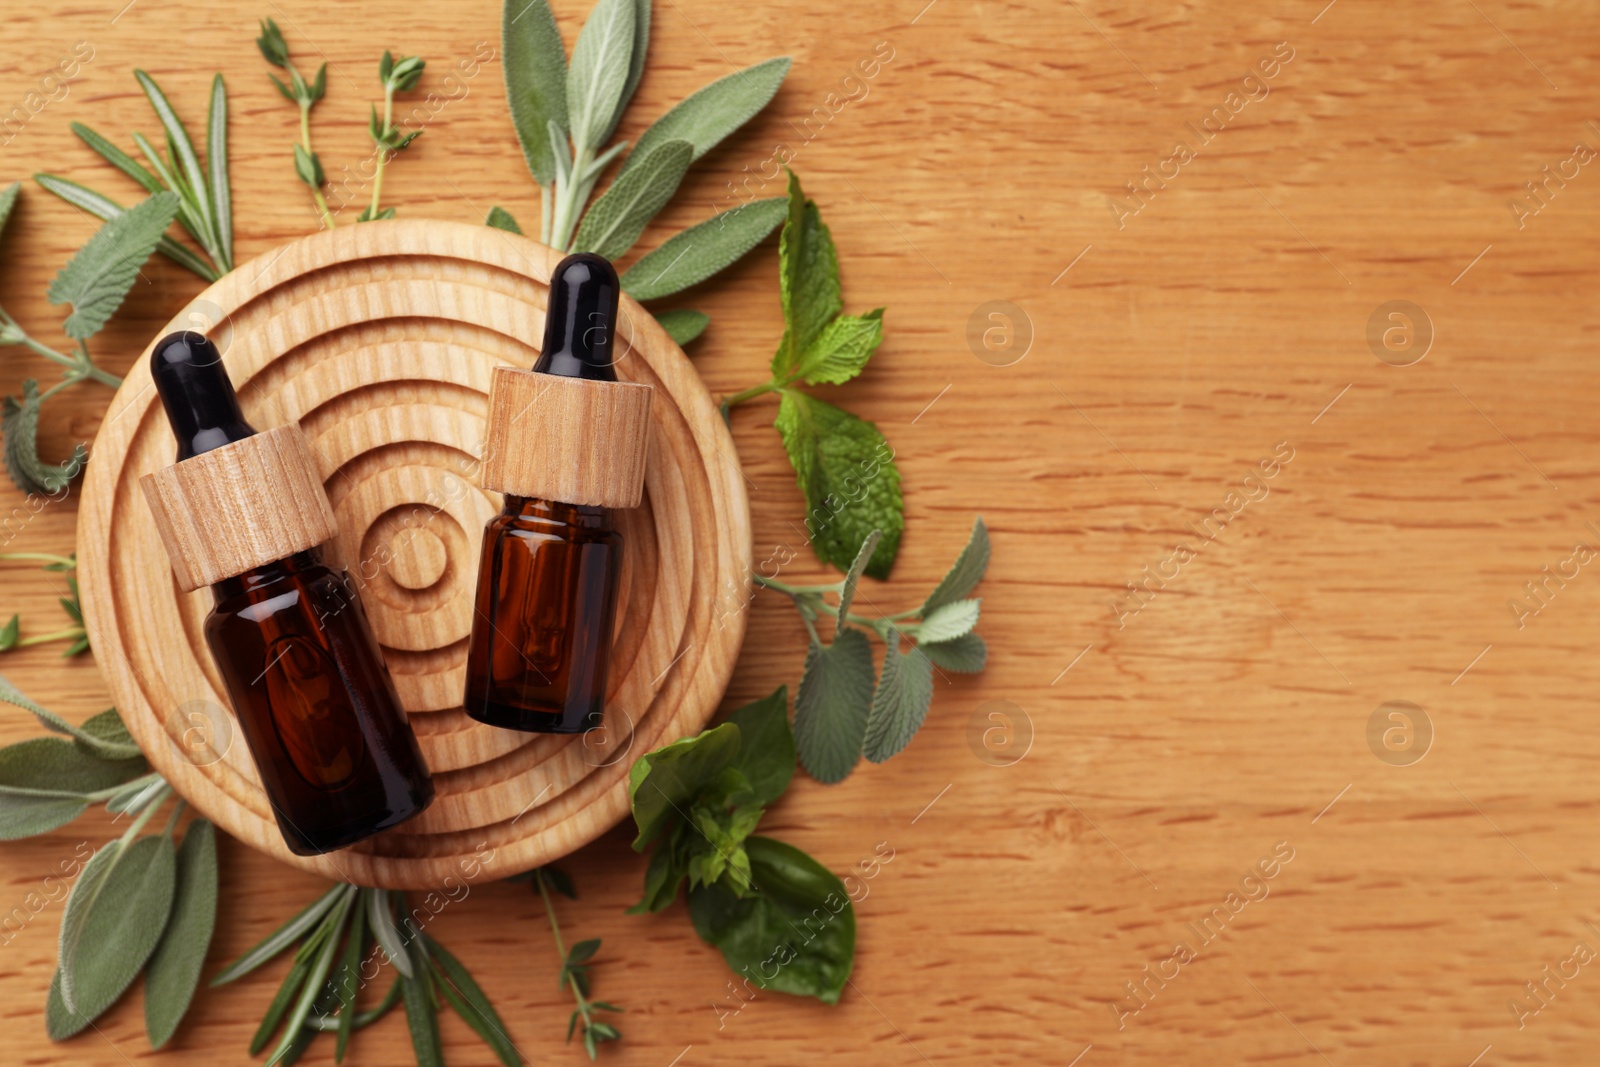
(469, 1002)
(280, 939)
(384, 929)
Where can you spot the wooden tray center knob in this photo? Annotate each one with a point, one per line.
(417, 558)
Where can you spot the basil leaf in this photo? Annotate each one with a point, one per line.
(217, 172)
(949, 621)
(599, 71)
(662, 878)
(59, 766)
(283, 937)
(808, 280)
(615, 221)
(690, 257)
(106, 209)
(670, 778)
(683, 325)
(715, 111)
(501, 219)
(113, 919)
(766, 745)
(901, 703)
(469, 1002)
(174, 969)
(536, 81)
(841, 351)
(964, 655)
(965, 573)
(19, 421)
(852, 577)
(96, 280)
(795, 932)
(846, 471)
(832, 703)
(8, 200)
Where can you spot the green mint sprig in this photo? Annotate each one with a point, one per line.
(843, 708)
(565, 117)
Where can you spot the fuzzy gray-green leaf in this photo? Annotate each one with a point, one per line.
(106, 209)
(966, 654)
(599, 71)
(852, 577)
(19, 421)
(536, 81)
(100, 275)
(697, 253)
(965, 573)
(104, 742)
(832, 704)
(108, 933)
(901, 703)
(711, 114)
(949, 621)
(617, 219)
(8, 200)
(501, 219)
(684, 325)
(174, 969)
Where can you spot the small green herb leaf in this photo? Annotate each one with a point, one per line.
(182, 155)
(808, 280)
(106, 209)
(714, 112)
(599, 71)
(965, 574)
(117, 157)
(799, 924)
(273, 47)
(832, 704)
(100, 275)
(766, 745)
(668, 779)
(469, 1002)
(536, 81)
(283, 937)
(347, 979)
(901, 703)
(19, 421)
(852, 577)
(842, 349)
(964, 655)
(57, 765)
(113, 921)
(422, 1017)
(846, 471)
(308, 166)
(501, 219)
(9, 633)
(174, 969)
(697, 253)
(388, 935)
(949, 621)
(8, 200)
(582, 951)
(616, 220)
(662, 879)
(683, 325)
(217, 171)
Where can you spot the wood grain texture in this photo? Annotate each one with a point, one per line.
(1168, 358)
(378, 341)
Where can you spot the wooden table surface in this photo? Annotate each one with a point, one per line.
(1181, 737)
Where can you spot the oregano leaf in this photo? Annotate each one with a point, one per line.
(98, 278)
(690, 257)
(832, 704)
(965, 574)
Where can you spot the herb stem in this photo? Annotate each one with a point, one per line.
(813, 596)
(305, 142)
(547, 196)
(570, 979)
(40, 557)
(59, 635)
(752, 392)
(144, 816)
(383, 153)
(108, 793)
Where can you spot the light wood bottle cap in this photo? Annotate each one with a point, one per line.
(235, 508)
(567, 440)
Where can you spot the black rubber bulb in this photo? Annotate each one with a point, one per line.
(201, 404)
(580, 323)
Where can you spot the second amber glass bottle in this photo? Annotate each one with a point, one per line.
(566, 444)
(243, 512)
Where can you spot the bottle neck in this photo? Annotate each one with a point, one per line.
(254, 582)
(591, 516)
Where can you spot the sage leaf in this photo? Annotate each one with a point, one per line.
(599, 71)
(113, 921)
(421, 1016)
(174, 969)
(641, 49)
(766, 745)
(61, 1022)
(217, 172)
(536, 81)
(683, 325)
(384, 929)
(501, 219)
(19, 422)
(852, 577)
(97, 279)
(846, 470)
(832, 704)
(30, 814)
(808, 280)
(842, 349)
(715, 111)
(469, 1002)
(796, 922)
(106, 209)
(690, 257)
(949, 621)
(615, 221)
(58, 765)
(965, 574)
(662, 782)
(8, 201)
(900, 705)
(117, 157)
(283, 937)
(105, 736)
(182, 154)
(964, 655)
(105, 742)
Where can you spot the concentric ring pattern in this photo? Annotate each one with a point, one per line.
(379, 339)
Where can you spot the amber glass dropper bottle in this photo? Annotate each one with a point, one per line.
(243, 512)
(566, 444)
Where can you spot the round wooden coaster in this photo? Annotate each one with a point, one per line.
(379, 339)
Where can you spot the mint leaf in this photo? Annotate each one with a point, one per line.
(599, 71)
(100, 275)
(501, 219)
(617, 219)
(949, 621)
(965, 573)
(842, 349)
(19, 421)
(832, 704)
(964, 655)
(690, 257)
(712, 113)
(684, 325)
(536, 81)
(808, 280)
(901, 703)
(846, 471)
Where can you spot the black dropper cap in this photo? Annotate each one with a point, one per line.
(201, 404)
(580, 323)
